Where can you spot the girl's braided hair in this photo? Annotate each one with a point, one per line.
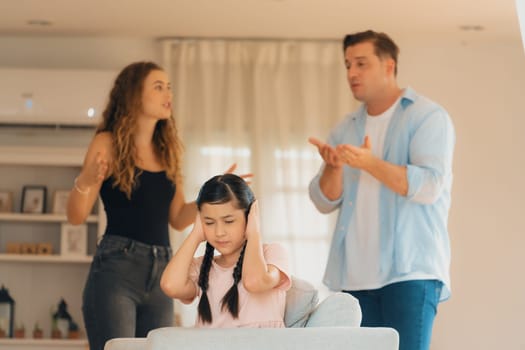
(218, 190)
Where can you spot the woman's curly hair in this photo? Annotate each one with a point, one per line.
(120, 119)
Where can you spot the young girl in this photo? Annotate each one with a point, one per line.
(245, 285)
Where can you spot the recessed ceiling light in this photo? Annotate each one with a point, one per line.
(39, 22)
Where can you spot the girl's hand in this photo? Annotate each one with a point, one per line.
(197, 231)
(253, 224)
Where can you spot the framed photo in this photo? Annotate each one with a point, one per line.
(6, 202)
(73, 240)
(34, 199)
(60, 201)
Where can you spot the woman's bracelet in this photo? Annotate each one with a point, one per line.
(78, 189)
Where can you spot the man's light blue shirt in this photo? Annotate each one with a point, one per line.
(421, 137)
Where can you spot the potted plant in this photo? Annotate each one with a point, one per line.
(20, 331)
(38, 333)
(73, 332)
(55, 332)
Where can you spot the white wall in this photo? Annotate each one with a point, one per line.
(109, 53)
(482, 85)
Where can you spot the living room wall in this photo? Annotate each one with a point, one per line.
(75, 52)
(482, 85)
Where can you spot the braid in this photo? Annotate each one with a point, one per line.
(204, 304)
(230, 300)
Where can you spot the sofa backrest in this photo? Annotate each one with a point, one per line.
(327, 338)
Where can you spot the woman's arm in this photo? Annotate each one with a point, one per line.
(175, 281)
(257, 276)
(182, 213)
(87, 185)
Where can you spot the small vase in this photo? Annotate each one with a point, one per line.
(73, 334)
(55, 334)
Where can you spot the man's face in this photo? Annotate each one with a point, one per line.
(367, 74)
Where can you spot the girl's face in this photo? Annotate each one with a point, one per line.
(224, 227)
(156, 95)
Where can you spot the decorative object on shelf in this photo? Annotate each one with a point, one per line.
(7, 312)
(20, 331)
(73, 332)
(73, 240)
(38, 333)
(41, 248)
(44, 248)
(28, 248)
(34, 199)
(13, 248)
(62, 319)
(55, 332)
(6, 202)
(60, 201)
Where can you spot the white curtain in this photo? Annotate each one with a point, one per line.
(255, 102)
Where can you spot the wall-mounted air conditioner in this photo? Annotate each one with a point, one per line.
(53, 97)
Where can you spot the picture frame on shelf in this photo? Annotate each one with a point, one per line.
(60, 201)
(6, 202)
(73, 240)
(34, 199)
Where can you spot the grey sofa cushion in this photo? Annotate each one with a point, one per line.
(301, 300)
(337, 310)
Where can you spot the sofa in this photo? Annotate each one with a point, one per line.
(333, 323)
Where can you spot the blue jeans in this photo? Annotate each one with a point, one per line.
(122, 295)
(409, 307)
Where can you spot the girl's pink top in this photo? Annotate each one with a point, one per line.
(256, 310)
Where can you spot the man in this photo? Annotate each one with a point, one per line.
(388, 169)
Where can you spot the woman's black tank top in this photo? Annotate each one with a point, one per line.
(145, 217)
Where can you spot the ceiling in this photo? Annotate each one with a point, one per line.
(261, 18)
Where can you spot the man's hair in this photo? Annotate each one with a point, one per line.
(384, 46)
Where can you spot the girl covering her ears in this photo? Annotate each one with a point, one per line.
(134, 163)
(245, 284)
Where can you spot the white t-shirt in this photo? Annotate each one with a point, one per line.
(363, 238)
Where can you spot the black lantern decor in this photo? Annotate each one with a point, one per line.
(62, 319)
(7, 312)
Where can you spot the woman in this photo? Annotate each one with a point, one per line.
(134, 163)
